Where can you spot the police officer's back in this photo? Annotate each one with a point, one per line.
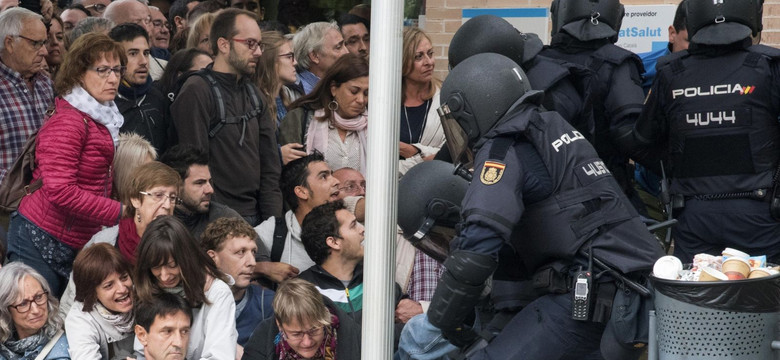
(540, 187)
(712, 115)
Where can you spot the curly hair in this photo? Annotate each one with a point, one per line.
(216, 233)
(318, 225)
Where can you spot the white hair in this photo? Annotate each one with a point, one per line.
(11, 276)
(310, 39)
(11, 22)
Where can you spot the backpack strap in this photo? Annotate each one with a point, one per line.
(280, 235)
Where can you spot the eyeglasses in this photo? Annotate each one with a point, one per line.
(104, 71)
(353, 187)
(98, 7)
(161, 24)
(160, 197)
(36, 44)
(289, 55)
(39, 299)
(298, 335)
(252, 44)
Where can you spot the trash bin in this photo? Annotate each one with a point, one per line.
(716, 320)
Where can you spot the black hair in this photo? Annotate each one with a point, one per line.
(318, 225)
(204, 7)
(679, 17)
(163, 304)
(128, 32)
(182, 156)
(177, 70)
(178, 8)
(349, 19)
(273, 25)
(295, 174)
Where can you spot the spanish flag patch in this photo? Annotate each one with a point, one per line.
(492, 172)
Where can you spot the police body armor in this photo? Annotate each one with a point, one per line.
(587, 209)
(724, 136)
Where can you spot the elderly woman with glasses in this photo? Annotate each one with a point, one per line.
(152, 192)
(69, 198)
(29, 323)
(306, 325)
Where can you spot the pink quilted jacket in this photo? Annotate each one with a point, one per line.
(74, 162)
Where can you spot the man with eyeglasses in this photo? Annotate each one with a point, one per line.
(25, 91)
(143, 106)
(220, 110)
(160, 36)
(134, 11)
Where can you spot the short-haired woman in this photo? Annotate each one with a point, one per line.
(73, 157)
(29, 323)
(306, 325)
(166, 254)
(133, 151)
(100, 323)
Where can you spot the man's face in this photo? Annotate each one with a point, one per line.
(351, 235)
(7, 4)
(196, 195)
(678, 39)
(242, 57)
(96, 7)
(237, 259)
(356, 39)
(137, 52)
(167, 337)
(160, 35)
(137, 13)
(320, 187)
(352, 182)
(332, 49)
(70, 18)
(26, 54)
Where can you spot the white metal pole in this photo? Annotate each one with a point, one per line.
(382, 178)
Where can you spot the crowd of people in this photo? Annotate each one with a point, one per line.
(199, 184)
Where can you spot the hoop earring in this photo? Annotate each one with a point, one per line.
(333, 105)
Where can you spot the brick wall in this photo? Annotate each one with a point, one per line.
(443, 18)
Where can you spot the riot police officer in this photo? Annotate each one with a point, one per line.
(584, 32)
(712, 116)
(540, 187)
(564, 84)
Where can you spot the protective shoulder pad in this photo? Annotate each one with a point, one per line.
(545, 72)
(767, 51)
(616, 55)
(674, 58)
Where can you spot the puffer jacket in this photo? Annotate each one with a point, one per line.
(74, 162)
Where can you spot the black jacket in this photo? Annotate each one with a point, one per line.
(148, 116)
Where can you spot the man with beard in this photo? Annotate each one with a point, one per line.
(220, 110)
(143, 106)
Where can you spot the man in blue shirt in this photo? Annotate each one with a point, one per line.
(678, 40)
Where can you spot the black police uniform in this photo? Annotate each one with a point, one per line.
(617, 96)
(713, 115)
(540, 186)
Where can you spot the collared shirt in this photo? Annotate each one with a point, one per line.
(308, 80)
(22, 111)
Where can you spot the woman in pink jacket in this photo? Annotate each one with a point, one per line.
(74, 154)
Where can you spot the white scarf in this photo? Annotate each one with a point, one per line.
(103, 113)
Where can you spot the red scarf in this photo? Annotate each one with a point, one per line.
(128, 239)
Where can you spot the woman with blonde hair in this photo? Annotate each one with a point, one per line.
(421, 132)
(132, 152)
(198, 36)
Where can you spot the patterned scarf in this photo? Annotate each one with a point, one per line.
(27, 348)
(317, 135)
(103, 113)
(327, 350)
(123, 322)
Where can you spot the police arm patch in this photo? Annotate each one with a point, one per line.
(492, 172)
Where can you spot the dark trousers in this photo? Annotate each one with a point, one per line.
(21, 248)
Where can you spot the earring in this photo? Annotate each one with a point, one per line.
(137, 216)
(333, 105)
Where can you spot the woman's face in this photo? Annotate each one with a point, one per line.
(199, 62)
(168, 275)
(285, 64)
(203, 41)
(56, 46)
(116, 292)
(158, 203)
(352, 97)
(422, 70)
(28, 321)
(304, 338)
(103, 86)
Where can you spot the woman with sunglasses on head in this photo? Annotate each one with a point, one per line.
(71, 187)
(170, 260)
(29, 323)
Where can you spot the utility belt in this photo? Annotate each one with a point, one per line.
(678, 200)
(602, 292)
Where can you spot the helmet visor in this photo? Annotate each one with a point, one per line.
(457, 140)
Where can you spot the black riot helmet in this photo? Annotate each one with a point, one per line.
(587, 20)
(429, 207)
(722, 22)
(483, 34)
(476, 95)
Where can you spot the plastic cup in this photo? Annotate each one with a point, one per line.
(729, 252)
(667, 267)
(759, 273)
(710, 274)
(736, 268)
